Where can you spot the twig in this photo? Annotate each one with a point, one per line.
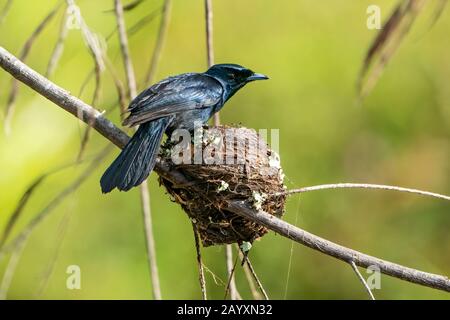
(254, 275)
(62, 98)
(209, 32)
(44, 213)
(59, 46)
(19, 208)
(143, 21)
(5, 10)
(230, 272)
(96, 51)
(360, 277)
(216, 121)
(62, 228)
(149, 239)
(291, 254)
(209, 44)
(201, 273)
(217, 280)
(9, 111)
(163, 27)
(11, 269)
(106, 128)
(251, 278)
(14, 217)
(143, 188)
(386, 43)
(17, 245)
(131, 31)
(121, 92)
(130, 6)
(94, 103)
(129, 70)
(230, 278)
(365, 186)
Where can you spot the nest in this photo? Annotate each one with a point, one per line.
(234, 164)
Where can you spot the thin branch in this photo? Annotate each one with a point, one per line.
(59, 46)
(96, 96)
(360, 277)
(291, 253)
(62, 98)
(386, 43)
(19, 208)
(230, 271)
(230, 278)
(97, 53)
(247, 262)
(201, 273)
(131, 31)
(149, 239)
(61, 233)
(209, 32)
(163, 27)
(143, 188)
(143, 22)
(44, 213)
(11, 269)
(5, 10)
(217, 280)
(209, 44)
(121, 92)
(17, 213)
(17, 245)
(252, 278)
(216, 121)
(366, 186)
(129, 70)
(130, 6)
(106, 128)
(9, 111)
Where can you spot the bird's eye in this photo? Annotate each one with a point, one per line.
(232, 75)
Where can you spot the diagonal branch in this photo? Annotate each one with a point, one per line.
(105, 127)
(361, 279)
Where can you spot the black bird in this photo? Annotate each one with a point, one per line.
(173, 103)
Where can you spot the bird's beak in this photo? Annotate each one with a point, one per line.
(257, 76)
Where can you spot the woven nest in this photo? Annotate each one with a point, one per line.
(247, 173)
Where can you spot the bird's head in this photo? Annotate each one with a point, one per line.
(234, 76)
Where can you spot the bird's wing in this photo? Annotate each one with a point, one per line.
(173, 95)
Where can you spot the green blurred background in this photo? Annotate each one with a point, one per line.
(312, 51)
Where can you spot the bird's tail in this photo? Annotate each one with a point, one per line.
(137, 159)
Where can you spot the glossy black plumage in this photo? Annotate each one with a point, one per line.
(175, 102)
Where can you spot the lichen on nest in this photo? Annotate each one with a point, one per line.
(244, 168)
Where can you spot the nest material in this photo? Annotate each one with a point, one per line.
(254, 175)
